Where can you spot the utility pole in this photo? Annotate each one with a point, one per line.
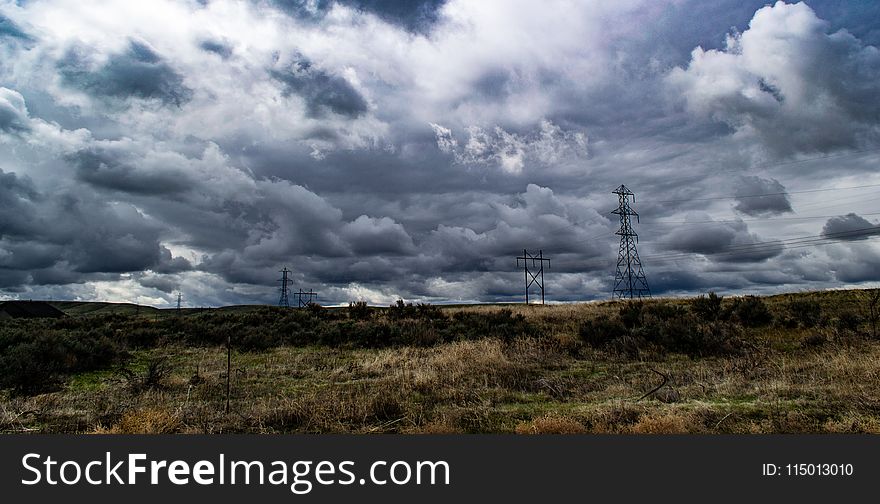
(629, 280)
(535, 275)
(305, 298)
(284, 301)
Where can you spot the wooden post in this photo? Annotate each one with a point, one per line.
(228, 368)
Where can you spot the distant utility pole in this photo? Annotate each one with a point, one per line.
(629, 281)
(284, 301)
(535, 275)
(179, 299)
(306, 297)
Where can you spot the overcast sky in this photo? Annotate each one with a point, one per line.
(385, 150)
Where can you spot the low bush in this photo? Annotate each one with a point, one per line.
(359, 310)
(36, 361)
(749, 311)
(805, 312)
(602, 330)
(663, 326)
(707, 307)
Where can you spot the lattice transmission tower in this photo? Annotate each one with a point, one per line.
(629, 281)
(284, 300)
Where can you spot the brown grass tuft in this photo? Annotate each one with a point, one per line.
(144, 421)
(551, 423)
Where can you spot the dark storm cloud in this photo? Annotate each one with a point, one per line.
(672, 281)
(377, 236)
(722, 242)
(17, 195)
(414, 15)
(162, 283)
(8, 29)
(321, 91)
(107, 238)
(751, 202)
(219, 48)
(861, 265)
(87, 235)
(138, 72)
(849, 227)
(421, 164)
(116, 169)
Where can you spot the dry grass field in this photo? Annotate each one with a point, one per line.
(802, 363)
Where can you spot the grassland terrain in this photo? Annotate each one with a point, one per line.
(795, 363)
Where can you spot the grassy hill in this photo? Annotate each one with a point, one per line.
(805, 362)
(80, 308)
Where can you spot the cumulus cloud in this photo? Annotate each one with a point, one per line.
(321, 91)
(510, 151)
(137, 72)
(787, 81)
(9, 29)
(13, 112)
(415, 15)
(413, 149)
(367, 235)
(121, 166)
(77, 232)
(729, 241)
(219, 48)
(849, 227)
(760, 196)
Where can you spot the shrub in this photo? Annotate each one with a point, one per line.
(694, 338)
(502, 324)
(35, 362)
(602, 330)
(401, 310)
(849, 321)
(750, 311)
(429, 311)
(805, 312)
(631, 314)
(663, 311)
(358, 310)
(315, 309)
(707, 308)
(153, 377)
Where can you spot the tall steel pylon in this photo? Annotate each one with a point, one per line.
(535, 275)
(629, 281)
(284, 300)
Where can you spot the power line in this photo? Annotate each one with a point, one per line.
(761, 219)
(757, 247)
(772, 245)
(819, 243)
(713, 198)
(774, 164)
